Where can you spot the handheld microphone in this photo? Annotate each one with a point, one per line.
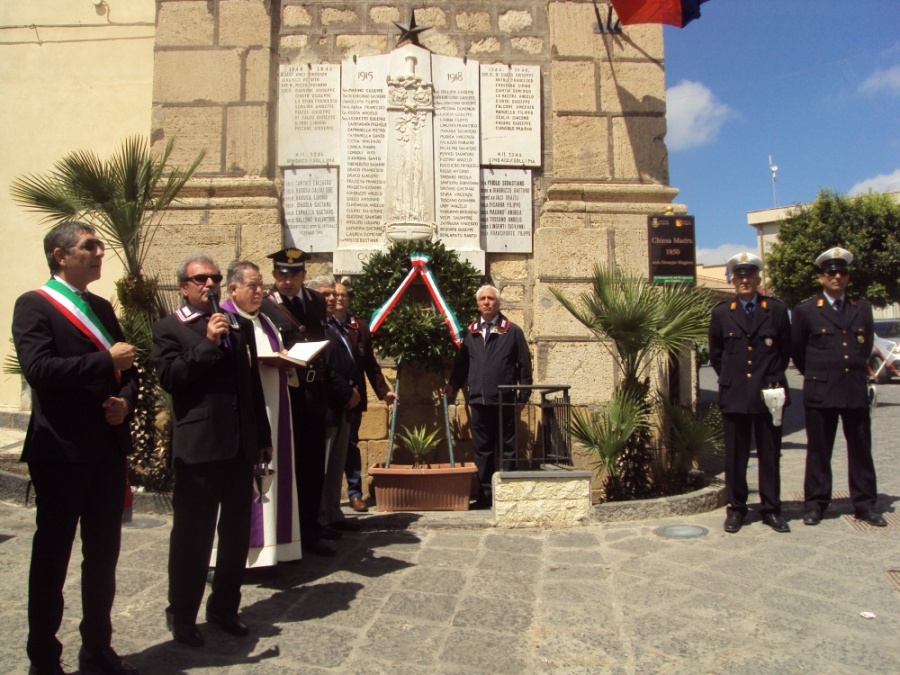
(213, 298)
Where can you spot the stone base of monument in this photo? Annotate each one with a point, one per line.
(546, 498)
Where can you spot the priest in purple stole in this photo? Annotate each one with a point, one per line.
(274, 524)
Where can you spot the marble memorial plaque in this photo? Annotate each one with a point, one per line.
(510, 115)
(457, 151)
(506, 210)
(309, 104)
(363, 150)
(310, 208)
(409, 189)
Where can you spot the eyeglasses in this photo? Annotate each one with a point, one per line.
(203, 278)
(831, 274)
(91, 245)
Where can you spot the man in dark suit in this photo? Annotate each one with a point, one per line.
(205, 359)
(300, 314)
(494, 352)
(343, 398)
(360, 337)
(74, 356)
(750, 348)
(832, 335)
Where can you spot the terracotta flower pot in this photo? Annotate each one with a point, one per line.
(433, 487)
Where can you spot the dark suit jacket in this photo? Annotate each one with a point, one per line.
(217, 396)
(483, 365)
(831, 350)
(366, 364)
(70, 379)
(751, 358)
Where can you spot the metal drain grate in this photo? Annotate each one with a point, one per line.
(893, 522)
(894, 577)
(893, 519)
(835, 496)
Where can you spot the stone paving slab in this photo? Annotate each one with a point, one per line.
(412, 593)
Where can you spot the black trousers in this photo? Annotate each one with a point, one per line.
(821, 429)
(738, 430)
(487, 438)
(308, 408)
(65, 493)
(201, 491)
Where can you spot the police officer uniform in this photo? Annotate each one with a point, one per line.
(831, 342)
(302, 319)
(749, 346)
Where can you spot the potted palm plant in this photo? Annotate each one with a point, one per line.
(422, 486)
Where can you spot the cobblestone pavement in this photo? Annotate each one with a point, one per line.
(448, 594)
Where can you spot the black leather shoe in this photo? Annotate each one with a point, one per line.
(318, 548)
(329, 533)
(812, 517)
(104, 661)
(230, 623)
(733, 522)
(185, 633)
(346, 525)
(871, 518)
(776, 522)
(46, 670)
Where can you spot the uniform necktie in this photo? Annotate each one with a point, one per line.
(749, 309)
(838, 305)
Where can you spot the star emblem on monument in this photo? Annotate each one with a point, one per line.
(410, 29)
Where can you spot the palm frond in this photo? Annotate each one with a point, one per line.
(606, 432)
(690, 438)
(11, 365)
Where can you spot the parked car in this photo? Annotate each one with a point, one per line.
(884, 363)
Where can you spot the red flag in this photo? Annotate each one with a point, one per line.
(676, 13)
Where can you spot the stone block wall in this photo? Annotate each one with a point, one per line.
(605, 165)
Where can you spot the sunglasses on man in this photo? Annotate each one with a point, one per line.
(201, 279)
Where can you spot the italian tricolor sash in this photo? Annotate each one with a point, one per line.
(78, 312)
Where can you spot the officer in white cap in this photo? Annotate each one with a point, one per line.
(831, 343)
(749, 348)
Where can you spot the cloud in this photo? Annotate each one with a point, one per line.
(694, 115)
(882, 80)
(885, 182)
(721, 254)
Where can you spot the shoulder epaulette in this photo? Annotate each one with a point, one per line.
(274, 296)
(187, 314)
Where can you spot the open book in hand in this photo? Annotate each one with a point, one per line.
(298, 355)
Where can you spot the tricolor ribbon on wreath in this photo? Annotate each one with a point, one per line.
(420, 267)
(79, 313)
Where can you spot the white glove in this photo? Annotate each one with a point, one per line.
(774, 400)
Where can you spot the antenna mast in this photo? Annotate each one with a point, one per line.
(774, 169)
